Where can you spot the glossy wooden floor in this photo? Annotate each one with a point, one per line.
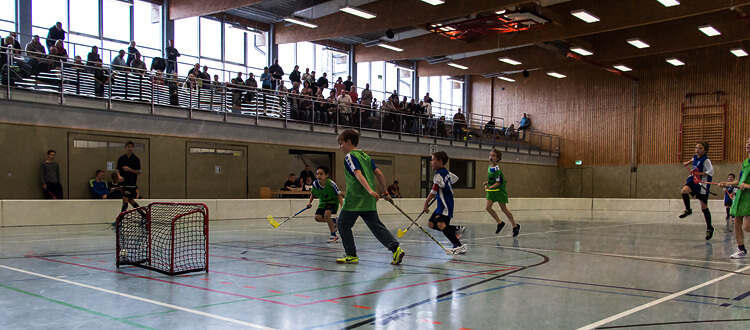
(555, 275)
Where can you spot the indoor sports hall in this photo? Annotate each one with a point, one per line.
(547, 164)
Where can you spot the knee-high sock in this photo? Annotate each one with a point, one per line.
(707, 216)
(450, 234)
(124, 207)
(686, 200)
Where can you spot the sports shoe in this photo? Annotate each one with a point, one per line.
(499, 227)
(739, 254)
(333, 239)
(398, 256)
(461, 249)
(460, 231)
(347, 259)
(686, 213)
(709, 233)
(516, 230)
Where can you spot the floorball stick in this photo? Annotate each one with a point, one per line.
(401, 233)
(420, 227)
(276, 224)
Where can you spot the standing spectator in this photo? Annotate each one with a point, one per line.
(137, 65)
(55, 33)
(366, 98)
(93, 59)
(524, 125)
(307, 77)
(353, 94)
(348, 83)
(313, 83)
(307, 172)
(459, 123)
(339, 87)
(323, 81)
(98, 186)
(196, 70)
(205, 78)
(172, 55)
(295, 77)
(276, 73)
(131, 53)
(345, 102)
(50, 177)
(265, 79)
(118, 63)
(253, 84)
(394, 191)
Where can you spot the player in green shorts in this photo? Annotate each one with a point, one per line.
(495, 187)
(741, 205)
(361, 200)
(329, 198)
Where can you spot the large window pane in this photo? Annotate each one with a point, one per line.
(81, 46)
(391, 78)
(446, 91)
(306, 57)
(231, 72)
(376, 81)
(8, 10)
(404, 83)
(423, 87)
(256, 51)
(84, 16)
(147, 26)
(44, 13)
(340, 65)
(435, 89)
(186, 37)
(117, 21)
(286, 58)
(8, 26)
(323, 61)
(234, 45)
(210, 38)
(363, 74)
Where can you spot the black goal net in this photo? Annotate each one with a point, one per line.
(170, 238)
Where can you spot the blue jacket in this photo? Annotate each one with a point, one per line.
(98, 189)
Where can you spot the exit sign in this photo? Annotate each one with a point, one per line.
(579, 162)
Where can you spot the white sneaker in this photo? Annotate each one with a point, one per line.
(737, 255)
(333, 239)
(461, 249)
(460, 231)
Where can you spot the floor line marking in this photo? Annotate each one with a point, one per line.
(562, 230)
(188, 310)
(269, 275)
(659, 301)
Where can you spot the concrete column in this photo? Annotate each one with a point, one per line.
(167, 27)
(23, 22)
(272, 49)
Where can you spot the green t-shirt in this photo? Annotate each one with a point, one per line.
(741, 202)
(357, 198)
(327, 194)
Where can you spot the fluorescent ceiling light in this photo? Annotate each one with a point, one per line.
(509, 61)
(434, 2)
(500, 12)
(675, 61)
(739, 52)
(585, 16)
(358, 12)
(455, 80)
(459, 66)
(387, 46)
(556, 75)
(709, 30)
(638, 43)
(669, 3)
(506, 79)
(622, 68)
(300, 22)
(581, 51)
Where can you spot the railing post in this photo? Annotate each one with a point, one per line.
(153, 94)
(111, 81)
(62, 83)
(7, 85)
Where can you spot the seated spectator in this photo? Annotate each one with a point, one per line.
(511, 133)
(78, 62)
(441, 132)
(291, 185)
(394, 191)
(308, 185)
(489, 127)
(137, 65)
(56, 33)
(98, 186)
(115, 190)
(118, 63)
(35, 49)
(100, 79)
(236, 90)
(307, 172)
(158, 64)
(62, 54)
(524, 125)
(92, 59)
(172, 83)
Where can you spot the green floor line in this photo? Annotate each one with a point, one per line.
(77, 307)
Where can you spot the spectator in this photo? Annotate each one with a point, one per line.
(511, 133)
(98, 186)
(55, 33)
(137, 65)
(313, 84)
(305, 108)
(295, 78)
(236, 93)
(196, 70)
(100, 79)
(172, 83)
(459, 125)
(290, 185)
(93, 59)
(78, 62)
(345, 102)
(366, 98)
(524, 125)
(353, 94)
(158, 64)
(307, 172)
(308, 185)
(205, 78)
(308, 78)
(265, 79)
(118, 63)
(489, 127)
(216, 85)
(172, 55)
(62, 54)
(131, 54)
(348, 83)
(394, 191)
(323, 81)
(50, 177)
(277, 73)
(253, 85)
(339, 87)
(14, 44)
(115, 190)
(35, 48)
(441, 132)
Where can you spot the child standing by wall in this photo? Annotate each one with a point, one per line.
(496, 192)
(702, 167)
(741, 206)
(329, 198)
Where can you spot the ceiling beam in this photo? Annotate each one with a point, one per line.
(391, 14)
(190, 8)
(229, 18)
(615, 15)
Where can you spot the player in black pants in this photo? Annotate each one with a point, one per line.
(129, 167)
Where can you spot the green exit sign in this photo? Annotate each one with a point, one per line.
(579, 162)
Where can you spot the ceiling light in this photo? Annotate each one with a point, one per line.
(581, 51)
(675, 61)
(669, 3)
(638, 43)
(556, 75)
(300, 22)
(434, 2)
(387, 46)
(459, 66)
(455, 80)
(509, 61)
(739, 52)
(585, 16)
(709, 30)
(622, 68)
(358, 12)
(500, 12)
(506, 79)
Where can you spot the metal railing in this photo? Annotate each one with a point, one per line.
(50, 74)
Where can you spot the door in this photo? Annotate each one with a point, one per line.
(216, 171)
(425, 177)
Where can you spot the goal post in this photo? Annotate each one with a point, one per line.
(170, 238)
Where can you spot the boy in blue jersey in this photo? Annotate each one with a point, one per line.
(701, 167)
(442, 189)
(728, 198)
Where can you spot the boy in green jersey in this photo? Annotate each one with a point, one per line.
(329, 197)
(361, 200)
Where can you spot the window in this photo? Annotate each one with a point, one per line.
(424, 87)
(464, 169)
(218, 152)
(234, 44)
(84, 17)
(210, 38)
(7, 12)
(147, 25)
(45, 13)
(256, 53)
(116, 22)
(110, 49)
(81, 46)
(185, 37)
(306, 57)
(404, 83)
(391, 78)
(363, 74)
(376, 80)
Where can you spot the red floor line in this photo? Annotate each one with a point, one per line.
(300, 295)
(270, 275)
(228, 283)
(464, 329)
(274, 291)
(165, 281)
(401, 287)
(249, 287)
(363, 307)
(262, 261)
(430, 321)
(329, 300)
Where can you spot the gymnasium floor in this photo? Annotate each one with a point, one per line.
(555, 275)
